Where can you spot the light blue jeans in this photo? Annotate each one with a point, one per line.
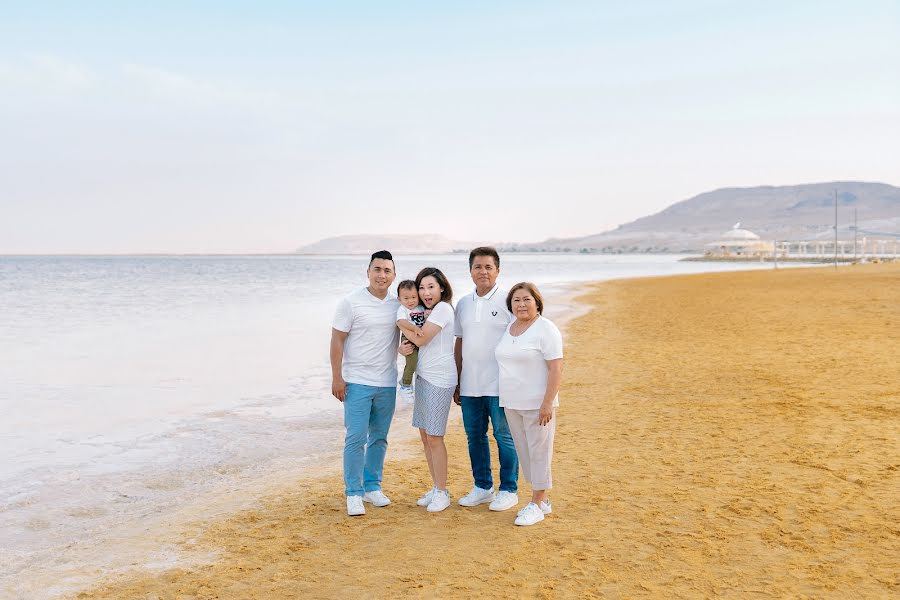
(368, 411)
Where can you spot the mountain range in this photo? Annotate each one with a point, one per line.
(796, 212)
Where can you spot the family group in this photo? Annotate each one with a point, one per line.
(494, 354)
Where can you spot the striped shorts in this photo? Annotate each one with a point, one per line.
(432, 407)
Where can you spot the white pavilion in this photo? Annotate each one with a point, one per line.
(739, 242)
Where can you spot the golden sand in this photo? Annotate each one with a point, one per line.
(723, 435)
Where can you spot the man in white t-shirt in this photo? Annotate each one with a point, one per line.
(481, 320)
(364, 340)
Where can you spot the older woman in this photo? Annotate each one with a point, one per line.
(436, 379)
(530, 357)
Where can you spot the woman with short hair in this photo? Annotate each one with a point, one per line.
(436, 380)
(530, 358)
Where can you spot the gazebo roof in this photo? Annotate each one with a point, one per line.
(739, 234)
(750, 242)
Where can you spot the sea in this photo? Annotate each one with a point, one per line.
(133, 385)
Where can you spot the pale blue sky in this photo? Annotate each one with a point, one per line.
(258, 127)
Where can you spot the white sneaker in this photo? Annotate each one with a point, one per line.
(355, 506)
(426, 499)
(377, 498)
(440, 501)
(530, 515)
(477, 496)
(504, 501)
(408, 394)
(545, 507)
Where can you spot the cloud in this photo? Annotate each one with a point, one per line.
(45, 72)
(170, 85)
(29, 77)
(62, 72)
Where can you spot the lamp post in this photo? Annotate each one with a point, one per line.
(835, 229)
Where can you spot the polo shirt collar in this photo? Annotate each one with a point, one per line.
(487, 296)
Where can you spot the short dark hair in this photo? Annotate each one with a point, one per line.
(484, 251)
(407, 284)
(382, 254)
(447, 294)
(532, 289)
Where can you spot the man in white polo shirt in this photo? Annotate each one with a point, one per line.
(364, 340)
(481, 320)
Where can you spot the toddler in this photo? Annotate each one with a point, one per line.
(410, 318)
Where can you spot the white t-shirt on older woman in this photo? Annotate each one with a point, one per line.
(436, 363)
(523, 364)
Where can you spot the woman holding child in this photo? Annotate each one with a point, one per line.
(436, 379)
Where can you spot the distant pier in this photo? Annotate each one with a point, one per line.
(808, 251)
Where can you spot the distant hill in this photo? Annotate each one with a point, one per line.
(796, 212)
(397, 244)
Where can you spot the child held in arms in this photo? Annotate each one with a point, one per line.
(410, 317)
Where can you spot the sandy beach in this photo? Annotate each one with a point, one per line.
(720, 435)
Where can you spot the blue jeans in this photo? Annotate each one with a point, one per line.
(368, 411)
(476, 411)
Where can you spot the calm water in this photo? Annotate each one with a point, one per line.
(128, 383)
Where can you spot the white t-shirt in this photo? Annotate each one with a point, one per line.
(436, 363)
(416, 315)
(481, 322)
(523, 364)
(370, 351)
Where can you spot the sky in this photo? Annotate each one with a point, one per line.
(258, 127)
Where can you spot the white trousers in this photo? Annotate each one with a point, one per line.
(534, 445)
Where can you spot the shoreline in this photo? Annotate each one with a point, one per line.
(320, 484)
(802, 260)
(152, 542)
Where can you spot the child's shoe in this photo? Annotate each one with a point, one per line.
(408, 394)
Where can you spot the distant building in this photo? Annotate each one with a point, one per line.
(739, 243)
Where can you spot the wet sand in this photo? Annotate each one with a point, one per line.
(728, 435)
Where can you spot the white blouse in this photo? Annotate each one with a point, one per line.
(523, 364)
(436, 364)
